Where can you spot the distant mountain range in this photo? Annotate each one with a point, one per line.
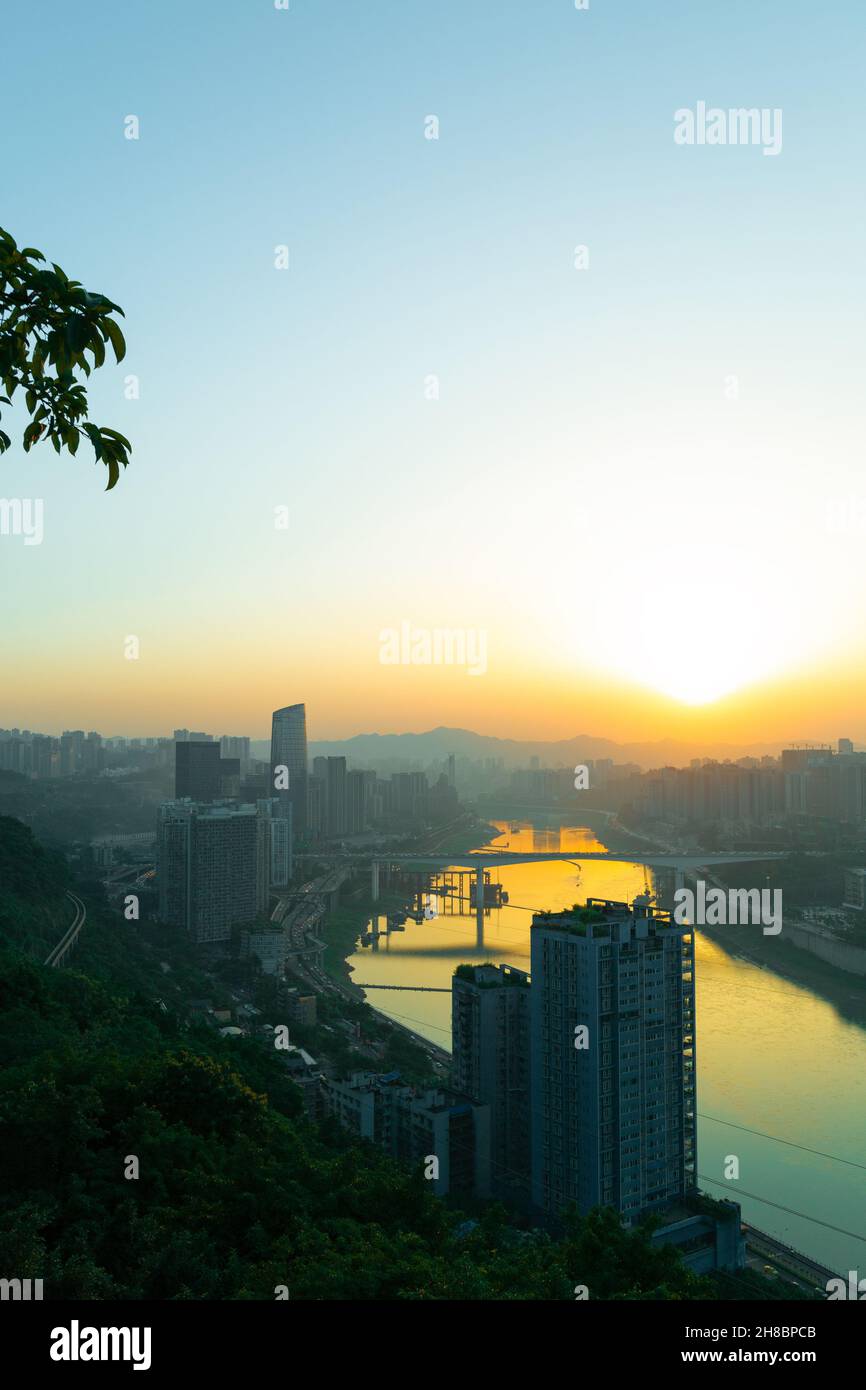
(418, 750)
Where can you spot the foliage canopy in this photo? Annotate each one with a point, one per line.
(48, 325)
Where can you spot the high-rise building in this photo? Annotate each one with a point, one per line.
(289, 751)
(231, 747)
(359, 800)
(92, 755)
(845, 745)
(442, 800)
(263, 856)
(336, 818)
(201, 774)
(71, 752)
(612, 1058)
(43, 747)
(797, 759)
(230, 777)
(207, 868)
(315, 805)
(410, 795)
(281, 850)
(196, 771)
(490, 1010)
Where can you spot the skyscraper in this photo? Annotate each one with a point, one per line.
(289, 750)
(232, 747)
(315, 805)
(336, 818)
(201, 774)
(207, 868)
(359, 800)
(613, 1058)
(490, 1008)
(71, 751)
(276, 827)
(92, 753)
(263, 855)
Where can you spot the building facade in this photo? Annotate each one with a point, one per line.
(490, 1029)
(208, 868)
(289, 750)
(612, 1058)
(201, 774)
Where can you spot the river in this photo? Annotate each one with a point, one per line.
(773, 1057)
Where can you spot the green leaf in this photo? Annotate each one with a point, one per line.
(114, 435)
(94, 436)
(49, 327)
(116, 339)
(31, 434)
(77, 332)
(97, 349)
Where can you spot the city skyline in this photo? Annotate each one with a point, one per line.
(433, 746)
(794, 708)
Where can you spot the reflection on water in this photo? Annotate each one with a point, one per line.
(545, 840)
(771, 1055)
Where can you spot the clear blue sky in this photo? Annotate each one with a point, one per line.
(571, 404)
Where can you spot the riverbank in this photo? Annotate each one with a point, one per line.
(844, 990)
(341, 931)
(342, 927)
(467, 838)
(847, 993)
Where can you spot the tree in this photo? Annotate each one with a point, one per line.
(48, 321)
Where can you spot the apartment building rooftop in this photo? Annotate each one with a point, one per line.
(598, 916)
(493, 976)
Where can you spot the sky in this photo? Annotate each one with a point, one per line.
(631, 476)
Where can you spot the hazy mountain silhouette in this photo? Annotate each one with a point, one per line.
(411, 749)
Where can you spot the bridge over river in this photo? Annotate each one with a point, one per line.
(480, 860)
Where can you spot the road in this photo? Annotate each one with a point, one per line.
(65, 945)
(765, 1252)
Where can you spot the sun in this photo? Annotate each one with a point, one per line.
(692, 636)
(702, 638)
(695, 620)
(696, 688)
